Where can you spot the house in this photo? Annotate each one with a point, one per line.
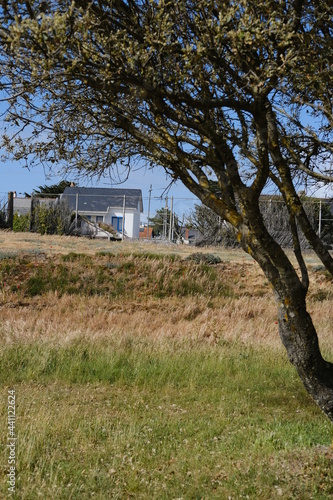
(189, 236)
(119, 208)
(146, 233)
(21, 206)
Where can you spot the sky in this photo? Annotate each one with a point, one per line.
(14, 176)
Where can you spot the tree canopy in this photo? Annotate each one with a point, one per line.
(53, 189)
(228, 97)
(162, 220)
(213, 231)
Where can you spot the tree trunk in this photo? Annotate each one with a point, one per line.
(300, 339)
(296, 328)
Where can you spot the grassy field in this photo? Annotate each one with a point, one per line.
(145, 371)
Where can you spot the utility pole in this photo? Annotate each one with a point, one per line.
(173, 225)
(124, 206)
(150, 190)
(165, 219)
(171, 213)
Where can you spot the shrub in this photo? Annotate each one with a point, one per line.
(204, 258)
(54, 219)
(21, 223)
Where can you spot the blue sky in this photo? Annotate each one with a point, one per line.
(14, 176)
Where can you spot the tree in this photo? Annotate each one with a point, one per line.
(229, 97)
(275, 215)
(56, 218)
(161, 223)
(54, 189)
(213, 230)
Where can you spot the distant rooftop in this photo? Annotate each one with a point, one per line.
(99, 199)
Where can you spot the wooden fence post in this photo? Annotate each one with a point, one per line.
(10, 218)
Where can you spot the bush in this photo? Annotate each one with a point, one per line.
(3, 219)
(54, 219)
(21, 223)
(204, 258)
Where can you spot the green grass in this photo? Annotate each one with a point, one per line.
(150, 415)
(127, 276)
(129, 418)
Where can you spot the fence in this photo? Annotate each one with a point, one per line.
(319, 213)
(214, 231)
(169, 217)
(173, 223)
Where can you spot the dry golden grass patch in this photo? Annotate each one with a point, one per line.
(243, 320)
(14, 243)
(244, 310)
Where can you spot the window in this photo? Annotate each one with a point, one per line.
(99, 218)
(117, 223)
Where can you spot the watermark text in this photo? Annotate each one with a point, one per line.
(11, 441)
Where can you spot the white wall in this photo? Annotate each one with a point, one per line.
(136, 224)
(132, 220)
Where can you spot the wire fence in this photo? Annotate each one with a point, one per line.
(171, 218)
(276, 219)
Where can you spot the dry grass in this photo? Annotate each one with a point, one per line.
(245, 313)
(244, 320)
(129, 392)
(72, 316)
(13, 243)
